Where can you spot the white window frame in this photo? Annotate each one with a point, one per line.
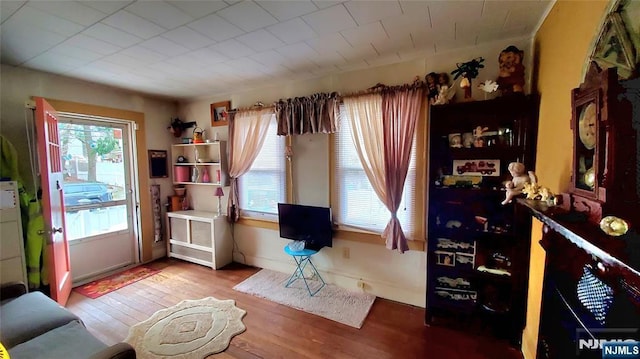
(376, 223)
(271, 159)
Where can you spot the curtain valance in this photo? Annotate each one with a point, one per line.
(317, 113)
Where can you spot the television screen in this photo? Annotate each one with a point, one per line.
(306, 223)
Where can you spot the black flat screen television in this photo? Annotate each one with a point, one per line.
(306, 223)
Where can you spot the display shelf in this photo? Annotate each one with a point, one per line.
(215, 184)
(467, 227)
(198, 164)
(483, 152)
(200, 157)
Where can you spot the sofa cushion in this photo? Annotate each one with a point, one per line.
(69, 341)
(30, 315)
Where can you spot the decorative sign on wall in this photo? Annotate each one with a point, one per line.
(157, 212)
(158, 167)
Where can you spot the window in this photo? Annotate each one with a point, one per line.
(264, 185)
(357, 204)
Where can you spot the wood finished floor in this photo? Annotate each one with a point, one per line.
(391, 330)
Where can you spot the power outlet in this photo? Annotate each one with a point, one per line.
(346, 254)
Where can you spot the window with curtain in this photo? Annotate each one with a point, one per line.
(357, 204)
(264, 185)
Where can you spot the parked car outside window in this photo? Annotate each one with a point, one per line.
(79, 193)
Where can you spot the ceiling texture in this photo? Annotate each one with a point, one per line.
(189, 49)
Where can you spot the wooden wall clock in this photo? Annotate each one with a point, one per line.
(603, 177)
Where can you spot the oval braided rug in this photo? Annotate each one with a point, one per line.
(189, 329)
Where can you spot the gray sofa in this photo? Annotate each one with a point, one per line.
(32, 325)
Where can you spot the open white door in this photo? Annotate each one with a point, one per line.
(52, 201)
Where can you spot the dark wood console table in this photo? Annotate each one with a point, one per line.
(573, 245)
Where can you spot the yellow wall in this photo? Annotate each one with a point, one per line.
(562, 47)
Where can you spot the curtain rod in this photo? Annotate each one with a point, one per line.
(257, 106)
(377, 88)
(380, 87)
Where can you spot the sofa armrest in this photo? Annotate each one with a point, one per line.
(12, 290)
(116, 351)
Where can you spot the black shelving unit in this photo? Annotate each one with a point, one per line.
(477, 248)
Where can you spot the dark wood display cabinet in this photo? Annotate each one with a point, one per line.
(477, 248)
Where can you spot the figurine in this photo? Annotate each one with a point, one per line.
(518, 182)
(545, 194)
(511, 76)
(467, 139)
(534, 191)
(488, 87)
(432, 86)
(465, 85)
(455, 140)
(445, 92)
(478, 133)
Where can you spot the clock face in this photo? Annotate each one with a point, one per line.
(587, 126)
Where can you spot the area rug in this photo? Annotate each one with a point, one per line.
(331, 302)
(191, 329)
(106, 285)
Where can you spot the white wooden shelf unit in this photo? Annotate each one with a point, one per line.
(210, 157)
(200, 237)
(12, 260)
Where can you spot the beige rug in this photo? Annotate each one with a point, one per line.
(191, 329)
(331, 302)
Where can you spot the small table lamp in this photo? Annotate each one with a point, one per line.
(219, 193)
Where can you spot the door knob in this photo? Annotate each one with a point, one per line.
(49, 239)
(53, 230)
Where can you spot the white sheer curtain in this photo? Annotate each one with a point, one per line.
(365, 116)
(247, 131)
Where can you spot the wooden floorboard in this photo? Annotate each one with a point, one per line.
(391, 330)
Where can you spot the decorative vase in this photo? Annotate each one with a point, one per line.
(194, 175)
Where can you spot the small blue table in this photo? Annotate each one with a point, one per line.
(303, 258)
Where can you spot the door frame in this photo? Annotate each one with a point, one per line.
(143, 199)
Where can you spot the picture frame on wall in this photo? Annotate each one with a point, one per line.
(220, 113)
(615, 48)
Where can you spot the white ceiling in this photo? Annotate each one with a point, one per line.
(187, 49)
